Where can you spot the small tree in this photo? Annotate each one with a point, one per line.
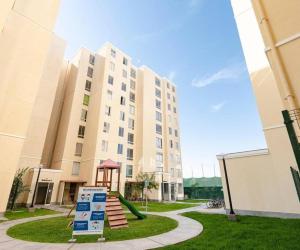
(141, 178)
(18, 187)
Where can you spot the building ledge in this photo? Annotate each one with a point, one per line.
(249, 153)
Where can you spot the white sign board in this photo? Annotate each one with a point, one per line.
(90, 209)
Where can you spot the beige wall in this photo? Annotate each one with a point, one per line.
(261, 181)
(24, 43)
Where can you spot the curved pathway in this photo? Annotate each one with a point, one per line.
(187, 228)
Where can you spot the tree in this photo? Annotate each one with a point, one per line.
(141, 178)
(18, 187)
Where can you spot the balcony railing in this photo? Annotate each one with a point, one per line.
(295, 116)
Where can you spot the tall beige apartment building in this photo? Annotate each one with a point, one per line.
(60, 119)
(114, 110)
(30, 58)
(266, 181)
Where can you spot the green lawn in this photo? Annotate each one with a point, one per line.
(55, 230)
(23, 213)
(249, 233)
(160, 206)
(194, 201)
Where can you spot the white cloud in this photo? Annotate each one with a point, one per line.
(217, 107)
(232, 72)
(171, 75)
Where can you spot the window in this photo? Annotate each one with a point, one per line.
(130, 138)
(124, 73)
(128, 171)
(86, 100)
(172, 172)
(110, 80)
(123, 86)
(121, 131)
(104, 146)
(122, 100)
(133, 73)
(132, 84)
(78, 149)
(129, 153)
(158, 116)
(120, 149)
(168, 85)
(83, 115)
(107, 110)
(112, 66)
(159, 161)
(158, 142)
(122, 116)
(168, 95)
(90, 72)
(132, 97)
(176, 132)
(131, 109)
(157, 93)
(170, 118)
(173, 88)
(180, 189)
(177, 145)
(81, 131)
(169, 106)
(88, 85)
(76, 168)
(158, 129)
(170, 131)
(130, 123)
(113, 53)
(174, 100)
(157, 82)
(109, 94)
(171, 144)
(158, 104)
(125, 61)
(106, 127)
(174, 109)
(92, 59)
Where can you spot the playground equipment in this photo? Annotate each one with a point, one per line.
(114, 211)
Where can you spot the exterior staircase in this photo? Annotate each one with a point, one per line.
(115, 213)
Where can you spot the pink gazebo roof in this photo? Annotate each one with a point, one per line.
(109, 164)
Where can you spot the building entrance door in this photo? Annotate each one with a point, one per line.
(44, 193)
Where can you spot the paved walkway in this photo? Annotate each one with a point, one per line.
(187, 229)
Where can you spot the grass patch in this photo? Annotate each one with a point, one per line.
(22, 213)
(55, 230)
(160, 206)
(249, 233)
(193, 201)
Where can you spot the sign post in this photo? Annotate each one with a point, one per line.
(90, 209)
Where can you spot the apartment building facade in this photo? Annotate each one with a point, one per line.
(95, 107)
(26, 41)
(266, 181)
(114, 110)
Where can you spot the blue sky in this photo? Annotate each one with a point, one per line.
(196, 44)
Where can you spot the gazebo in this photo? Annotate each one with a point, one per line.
(107, 167)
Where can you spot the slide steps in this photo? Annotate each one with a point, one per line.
(115, 213)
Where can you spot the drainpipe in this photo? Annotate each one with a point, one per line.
(231, 215)
(278, 66)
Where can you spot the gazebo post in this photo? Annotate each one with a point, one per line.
(111, 171)
(96, 176)
(119, 180)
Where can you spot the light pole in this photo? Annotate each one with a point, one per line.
(36, 184)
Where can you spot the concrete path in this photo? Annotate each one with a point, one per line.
(187, 229)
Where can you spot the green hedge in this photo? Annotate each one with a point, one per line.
(204, 192)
